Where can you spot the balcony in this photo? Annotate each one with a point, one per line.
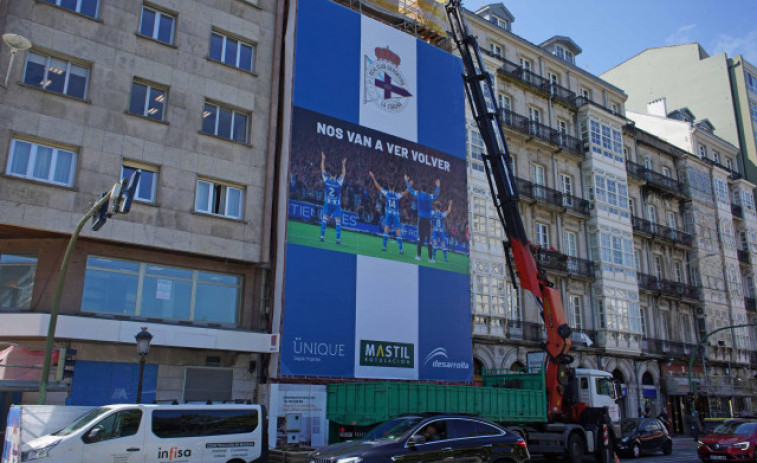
(575, 204)
(514, 121)
(735, 175)
(737, 211)
(540, 131)
(655, 180)
(581, 101)
(565, 141)
(561, 93)
(559, 262)
(750, 304)
(524, 75)
(652, 230)
(668, 288)
(743, 256)
(552, 197)
(667, 347)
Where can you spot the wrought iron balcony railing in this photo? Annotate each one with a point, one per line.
(666, 287)
(575, 204)
(560, 92)
(514, 120)
(551, 196)
(566, 141)
(581, 101)
(645, 227)
(541, 131)
(737, 211)
(655, 179)
(557, 261)
(667, 347)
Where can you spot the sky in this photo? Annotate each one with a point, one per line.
(612, 31)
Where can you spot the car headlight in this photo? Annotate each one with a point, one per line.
(349, 460)
(700, 443)
(36, 454)
(741, 446)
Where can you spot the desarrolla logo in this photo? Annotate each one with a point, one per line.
(438, 358)
(387, 354)
(173, 453)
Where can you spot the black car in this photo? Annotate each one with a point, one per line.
(643, 435)
(439, 437)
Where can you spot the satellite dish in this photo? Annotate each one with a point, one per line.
(16, 42)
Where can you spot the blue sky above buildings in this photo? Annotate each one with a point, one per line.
(611, 31)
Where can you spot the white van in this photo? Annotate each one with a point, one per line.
(227, 433)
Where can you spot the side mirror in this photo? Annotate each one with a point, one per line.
(416, 439)
(93, 435)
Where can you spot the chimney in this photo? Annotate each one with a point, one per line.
(657, 108)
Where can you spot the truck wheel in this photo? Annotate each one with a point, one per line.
(575, 450)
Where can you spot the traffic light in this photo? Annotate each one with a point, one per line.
(66, 362)
(101, 216)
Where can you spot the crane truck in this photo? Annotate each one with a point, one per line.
(560, 410)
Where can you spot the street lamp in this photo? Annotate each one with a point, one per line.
(143, 348)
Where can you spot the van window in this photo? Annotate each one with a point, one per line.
(82, 421)
(202, 422)
(120, 424)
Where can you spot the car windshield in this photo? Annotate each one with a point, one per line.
(393, 429)
(82, 421)
(736, 428)
(629, 425)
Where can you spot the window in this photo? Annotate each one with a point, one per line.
(562, 126)
(746, 199)
(120, 287)
(651, 213)
(729, 164)
(751, 81)
(542, 235)
(576, 313)
(644, 326)
(504, 102)
(637, 260)
(666, 171)
(716, 156)
(567, 189)
(563, 53)
(173, 424)
(17, 272)
(495, 49)
(525, 65)
(678, 269)
(554, 79)
(537, 174)
(658, 267)
(702, 152)
(534, 114)
(85, 7)
(41, 162)
(586, 93)
(120, 424)
(218, 199)
(631, 207)
(476, 147)
(147, 184)
(672, 220)
(148, 101)
(224, 123)
(56, 75)
(157, 25)
(614, 108)
(232, 51)
(753, 110)
(570, 242)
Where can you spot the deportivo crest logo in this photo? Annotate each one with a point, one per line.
(385, 86)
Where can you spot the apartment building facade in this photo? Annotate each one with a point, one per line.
(719, 214)
(722, 88)
(181, 90)
(564, 129)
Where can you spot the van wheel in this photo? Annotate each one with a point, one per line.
(575, 449)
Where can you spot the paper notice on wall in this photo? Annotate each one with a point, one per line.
(163, 290)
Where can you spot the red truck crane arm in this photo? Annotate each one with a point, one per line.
(498, 164)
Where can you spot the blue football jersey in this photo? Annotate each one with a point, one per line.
(437, 217)
(332, 190)
(392, 201)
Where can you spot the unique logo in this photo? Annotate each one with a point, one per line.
(438, 358)
(173, 453)
(315, 351)
(387, 354)
(385, 86)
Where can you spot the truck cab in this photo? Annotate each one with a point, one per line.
(597, 388)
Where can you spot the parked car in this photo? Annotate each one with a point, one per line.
(643, 435)
(734, 440)
(429, 438)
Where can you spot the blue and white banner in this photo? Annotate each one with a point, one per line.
(377, 163)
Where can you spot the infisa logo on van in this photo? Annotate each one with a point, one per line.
(387, 354)
(174, 452)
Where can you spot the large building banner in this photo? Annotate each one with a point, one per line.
(377, 269)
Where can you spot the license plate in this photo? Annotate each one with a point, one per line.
(718, 457)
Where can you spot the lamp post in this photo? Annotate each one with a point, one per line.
(143, 348)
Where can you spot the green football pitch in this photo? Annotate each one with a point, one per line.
(370, 245)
